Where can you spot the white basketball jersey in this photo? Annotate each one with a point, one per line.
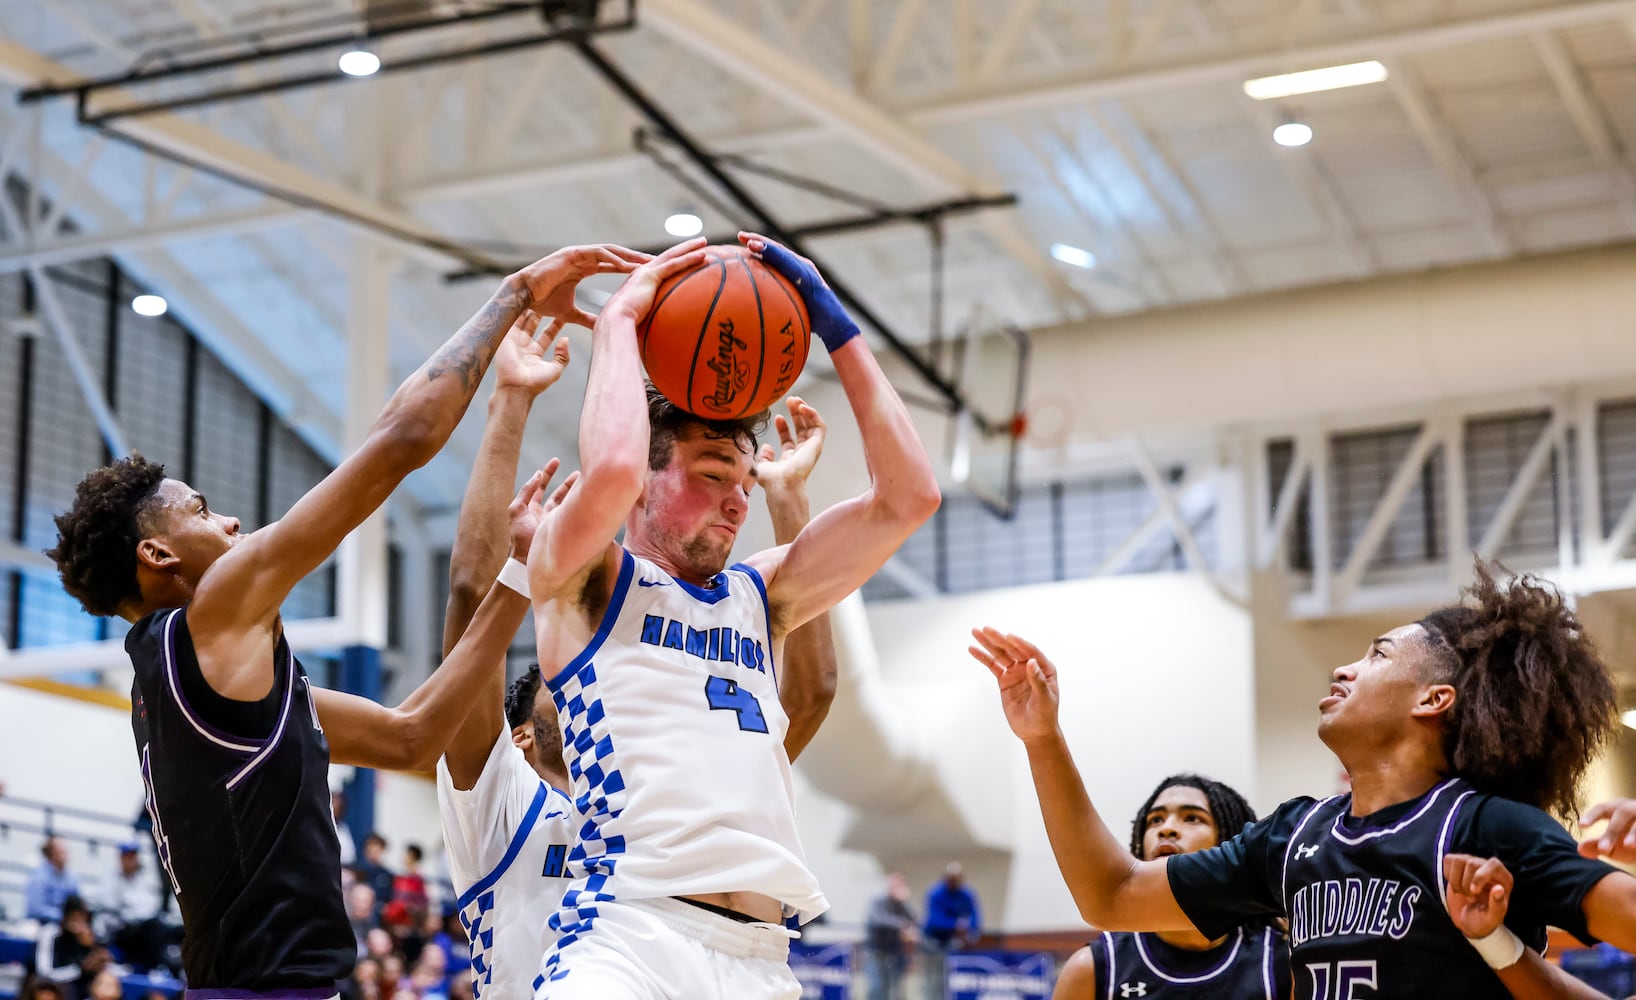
(674, 739)
(508, 839)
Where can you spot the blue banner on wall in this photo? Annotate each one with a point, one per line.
(999, 975)
(824, 971)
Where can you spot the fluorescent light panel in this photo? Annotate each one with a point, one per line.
(149, 305)
(1312, 81)
(684, 224)
(1073, 255)
(1630, 718)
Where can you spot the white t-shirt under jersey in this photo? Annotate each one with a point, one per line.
(507, 839)
(674, 738)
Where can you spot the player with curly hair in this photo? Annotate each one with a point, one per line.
(1460, 731)
(234, 743)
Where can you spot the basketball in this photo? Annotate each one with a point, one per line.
(726, 339)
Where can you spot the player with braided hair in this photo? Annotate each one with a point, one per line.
(1459, 731)
(1185, 813)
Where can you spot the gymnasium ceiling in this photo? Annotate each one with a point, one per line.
(1121, 126)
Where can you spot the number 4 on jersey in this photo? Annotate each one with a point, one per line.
(722, 693)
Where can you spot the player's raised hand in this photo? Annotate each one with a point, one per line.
(1478, 895)
(1028, 682)
(635, 296)
(829, 317)
(1618, 841)
(523, 360)
(526, 509)
(800, 442)
(553, 279)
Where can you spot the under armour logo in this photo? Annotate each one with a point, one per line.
(1133, 989)
(1304, 851)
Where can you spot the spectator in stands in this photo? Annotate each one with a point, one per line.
(889, 930)
(451, 940)
(361, 913)
(106, 986)
(461, 986)
(379, 945)
(70, 953)
(40, 988)
(371, 870)
(952, 921)
(132, 900)
(51, 883)
(392, 977)
(338, 808)
(430, 981)
(365, 983)
(409, 888)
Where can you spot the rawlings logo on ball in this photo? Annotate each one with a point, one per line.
(731, 375)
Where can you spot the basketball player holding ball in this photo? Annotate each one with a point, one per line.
(501, 784)
(662, 660)
(1459, 731)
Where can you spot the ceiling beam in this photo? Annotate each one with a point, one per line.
(1589, 119)
(215, 322)
(792, 81)
(996, 102)
(128, 237)
(200, 145)
(1308, 174)
(1458, 168)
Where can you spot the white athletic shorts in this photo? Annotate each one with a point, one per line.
(664, 949)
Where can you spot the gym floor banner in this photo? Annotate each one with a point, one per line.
(824, 971)
(999, 975)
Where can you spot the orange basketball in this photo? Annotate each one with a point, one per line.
(726, 339)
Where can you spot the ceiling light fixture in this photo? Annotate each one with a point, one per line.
(1629, 718)
(359, 61)
(683, 225)
(1292, 134)
(150, 305)
(1312, 81)
(1073, 255)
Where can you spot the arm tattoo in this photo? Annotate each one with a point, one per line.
(468, 353)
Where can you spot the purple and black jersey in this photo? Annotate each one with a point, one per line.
(1364, 894)
(239, 796)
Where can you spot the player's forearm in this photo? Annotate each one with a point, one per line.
(1610, 911)
(1533, 978)
(426, 408)
(480, 542)
(789, 510)
(613, 425)
(807, 684)
(432, 714)
(1093, 862)
(903, 481)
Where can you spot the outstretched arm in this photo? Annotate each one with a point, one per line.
(524, 367)
(806, 684)
(242, 591)
(1477, 898)
(846, 544)
(413, 735)
(1112, 889)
